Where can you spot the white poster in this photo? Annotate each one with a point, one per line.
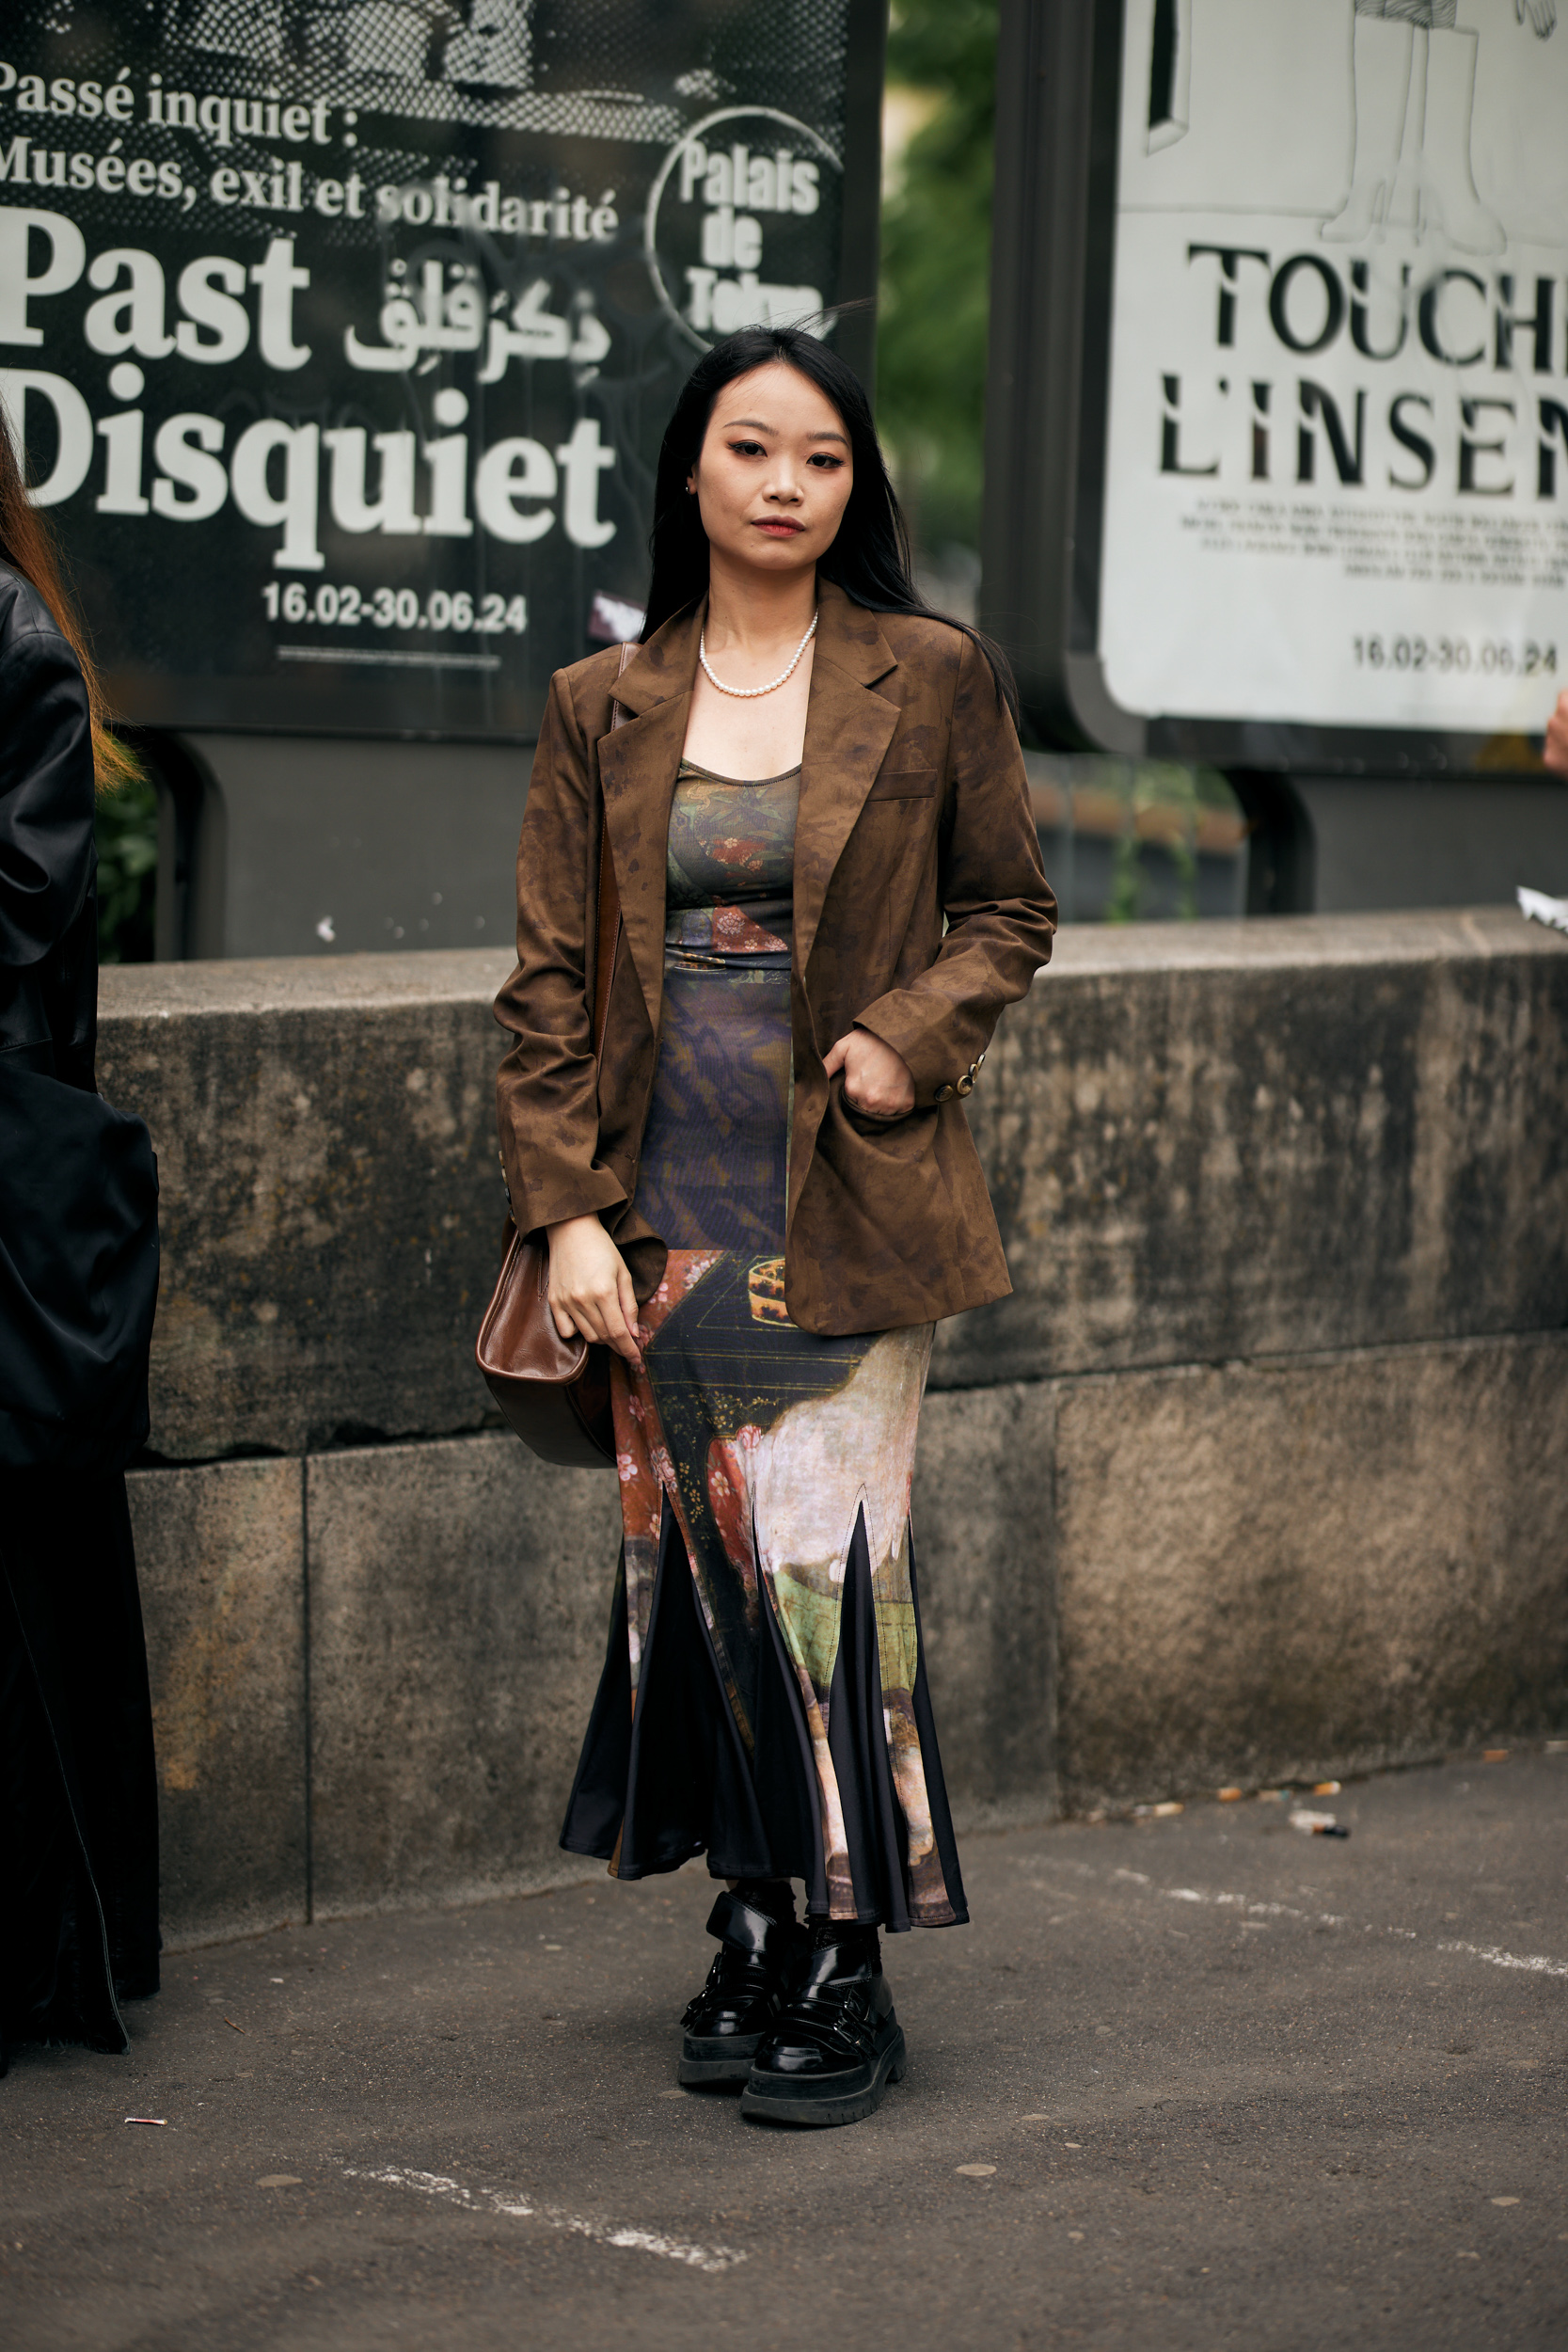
(1337, 466)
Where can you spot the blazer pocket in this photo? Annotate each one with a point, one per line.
(864, 1125)
(905, 784)
(914, 1122)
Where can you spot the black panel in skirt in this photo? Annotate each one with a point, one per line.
(676, 1781)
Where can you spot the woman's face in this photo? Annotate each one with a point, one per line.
(774, 472)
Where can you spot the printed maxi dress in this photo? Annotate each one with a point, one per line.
(763, 1694)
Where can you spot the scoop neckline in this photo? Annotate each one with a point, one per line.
(711, 775)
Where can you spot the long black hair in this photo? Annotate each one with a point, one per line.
(870, 557)
(28, 545)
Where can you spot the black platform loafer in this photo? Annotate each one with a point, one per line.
(723, 2026)
(837, 2046)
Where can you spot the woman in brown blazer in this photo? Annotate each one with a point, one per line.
(762, 1193)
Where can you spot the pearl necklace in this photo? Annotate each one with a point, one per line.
(749, 693)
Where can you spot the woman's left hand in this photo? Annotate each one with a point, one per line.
(1555, 752)
(878, 1082)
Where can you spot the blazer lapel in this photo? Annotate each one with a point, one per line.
(848, 731)
(638, 766)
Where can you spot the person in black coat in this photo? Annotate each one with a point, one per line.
(78, 1284)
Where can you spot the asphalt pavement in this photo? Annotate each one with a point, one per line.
(1196, 2080)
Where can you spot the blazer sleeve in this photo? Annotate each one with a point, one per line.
(546, 1092)
(47, 855)
(1001, 911)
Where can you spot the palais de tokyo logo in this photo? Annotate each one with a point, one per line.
(742, 227)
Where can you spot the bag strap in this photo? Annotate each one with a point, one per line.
(610, 900)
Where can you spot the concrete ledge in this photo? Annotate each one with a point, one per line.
(1257, 1475)
(220, 1552)
(331, 1205)
(459, 1604)
(1299, 1570)
(1251, 1572)
(1332, 1133)
(987, 1601)
(1204, 1140)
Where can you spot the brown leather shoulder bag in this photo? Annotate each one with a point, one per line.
(555, 1392)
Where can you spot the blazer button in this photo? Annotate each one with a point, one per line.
(965, 1086)
(944, 1094)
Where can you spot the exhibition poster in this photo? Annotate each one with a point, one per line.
(1336, 483)
(342, 333)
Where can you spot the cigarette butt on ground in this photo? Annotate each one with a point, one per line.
(1317, 1824)
(159, 2119)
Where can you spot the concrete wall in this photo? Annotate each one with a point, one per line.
(1256, 1474)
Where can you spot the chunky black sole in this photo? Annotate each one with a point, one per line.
(726, 2061)
(784, 2099)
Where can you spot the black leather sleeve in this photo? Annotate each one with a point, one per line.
(47, 858)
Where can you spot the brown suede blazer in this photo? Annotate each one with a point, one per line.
(913, 809)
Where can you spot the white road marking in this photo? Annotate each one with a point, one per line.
(1499, 1958)
(506, 2202)
(1534, 1964)
(1260, 1911)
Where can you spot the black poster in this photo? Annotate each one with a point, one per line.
(342, 333)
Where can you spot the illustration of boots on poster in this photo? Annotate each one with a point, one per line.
(1414, 72)
(78, 1286)
(1413, 68)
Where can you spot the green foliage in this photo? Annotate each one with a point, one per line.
(1163, 785)
(936, 269)
(1126, 901)
(127, 830)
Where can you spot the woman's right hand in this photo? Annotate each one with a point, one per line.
(591, 1294)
